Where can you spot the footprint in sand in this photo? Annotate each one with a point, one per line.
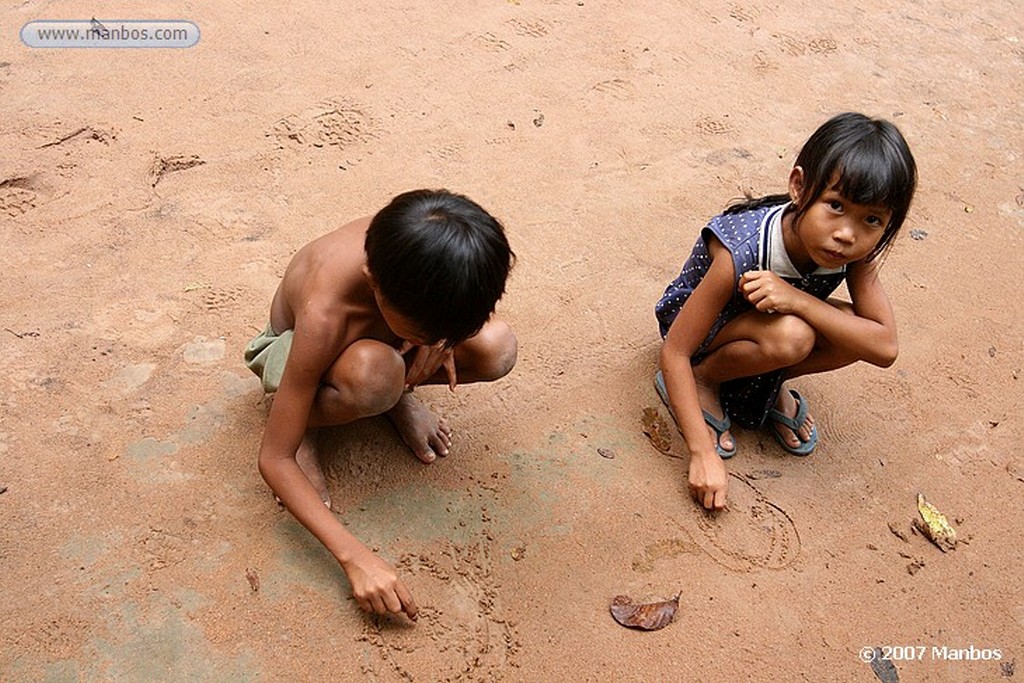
(615, 88)
(530, 28)
(337, 122)
(460, 634)
(708, 125)
(217, 299)
(19, 195)
(754, 533)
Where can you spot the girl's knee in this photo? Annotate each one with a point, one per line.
(790, 341)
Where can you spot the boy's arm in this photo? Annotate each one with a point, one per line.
(708, 479)
(870, 333)
(375, 584)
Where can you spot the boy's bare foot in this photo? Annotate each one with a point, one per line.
(707, 396)
(786, 404)
(310, 466)
(422, 431)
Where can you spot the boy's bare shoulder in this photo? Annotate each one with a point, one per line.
(324, 282)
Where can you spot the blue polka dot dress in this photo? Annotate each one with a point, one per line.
(747, 400)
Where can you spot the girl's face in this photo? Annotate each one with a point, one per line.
(834, 231)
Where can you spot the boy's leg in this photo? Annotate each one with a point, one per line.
(486, 356)
(365, 380)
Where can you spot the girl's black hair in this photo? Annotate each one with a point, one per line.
(874, 165)
(440, 260)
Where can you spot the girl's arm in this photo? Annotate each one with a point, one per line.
(869, 334)
(707, 476)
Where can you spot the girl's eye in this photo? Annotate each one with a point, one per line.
(874, 221)
(835, 205)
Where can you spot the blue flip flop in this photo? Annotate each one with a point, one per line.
(794, 423)
(720, 426)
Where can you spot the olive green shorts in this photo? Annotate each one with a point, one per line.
(267, 354)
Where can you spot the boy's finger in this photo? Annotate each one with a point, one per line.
(406, 347)
(378, 605)
(408, 604)
(449, 366)
(392, 602)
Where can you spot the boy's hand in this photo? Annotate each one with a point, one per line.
(768, 292)
(376, 586)
(426, 363)
(708, 480)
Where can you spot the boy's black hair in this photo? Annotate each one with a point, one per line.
(874, 165)
(441, 260)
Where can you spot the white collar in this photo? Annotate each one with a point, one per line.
(772, 248)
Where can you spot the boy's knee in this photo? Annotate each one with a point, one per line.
(369, 376)
(496, 351)
(791, 341)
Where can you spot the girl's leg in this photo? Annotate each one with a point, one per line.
(752, 344)
(756, 342)
(825, 356)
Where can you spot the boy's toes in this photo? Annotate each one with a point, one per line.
(441, 443)
(426, 454)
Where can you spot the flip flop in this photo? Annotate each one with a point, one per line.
(720, 426)
(794, 423)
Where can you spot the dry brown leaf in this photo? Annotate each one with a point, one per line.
(647, 617)
(656, 429)
(254, 580)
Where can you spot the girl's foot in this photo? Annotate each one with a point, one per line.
(793, 424)
(427, 435)
(718, 426)
(724, 445)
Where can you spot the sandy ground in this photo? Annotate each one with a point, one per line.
(150, 200)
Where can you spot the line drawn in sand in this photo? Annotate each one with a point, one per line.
(754, 533)
(460, 618)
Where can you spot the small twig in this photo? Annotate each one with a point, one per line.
(23, 334)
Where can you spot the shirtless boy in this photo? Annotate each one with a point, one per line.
(362, 316)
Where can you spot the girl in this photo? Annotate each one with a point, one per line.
(750, 308)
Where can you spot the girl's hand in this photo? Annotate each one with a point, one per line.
(768, 292)
(708, 480)
(427, 361)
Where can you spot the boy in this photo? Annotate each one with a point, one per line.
(362, 316)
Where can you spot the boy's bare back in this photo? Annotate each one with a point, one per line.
(325, 290)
